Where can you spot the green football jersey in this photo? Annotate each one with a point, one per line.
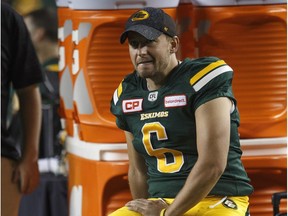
(163, 125)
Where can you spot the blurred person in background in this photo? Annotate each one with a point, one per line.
(20, 70)
(26, 6)
(43, 27)
(51, 195)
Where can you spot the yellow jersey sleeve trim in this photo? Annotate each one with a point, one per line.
(206, 70)
(119, 90)
(117, 93)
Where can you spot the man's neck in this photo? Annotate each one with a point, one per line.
(154, 84)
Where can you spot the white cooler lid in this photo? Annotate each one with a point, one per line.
(232, 2)
(120, 4)
(62, 3)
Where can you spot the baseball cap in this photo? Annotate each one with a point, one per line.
(149, 22)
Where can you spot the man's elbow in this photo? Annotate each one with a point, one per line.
(216, 169)
(134, 172)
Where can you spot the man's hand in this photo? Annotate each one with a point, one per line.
(26, 174)
(146, 207)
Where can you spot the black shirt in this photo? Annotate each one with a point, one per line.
(19, 68)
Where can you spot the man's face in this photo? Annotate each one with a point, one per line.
(150, 58)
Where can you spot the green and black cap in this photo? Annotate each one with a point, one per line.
(150, 23)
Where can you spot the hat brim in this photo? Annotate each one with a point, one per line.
(146, 31)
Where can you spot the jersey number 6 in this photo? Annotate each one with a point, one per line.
(162, 164)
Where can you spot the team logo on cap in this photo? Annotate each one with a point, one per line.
(140, 15)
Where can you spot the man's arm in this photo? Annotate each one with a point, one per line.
(30, 109)
(137, 173)
(213, 139)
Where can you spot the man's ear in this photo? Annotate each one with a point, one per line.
(174, 44)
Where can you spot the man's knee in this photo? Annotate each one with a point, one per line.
(124, 211)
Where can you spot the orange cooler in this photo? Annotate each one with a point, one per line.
(97, 183)
(185, 19)
(65, 65)
(253, 40)
(100, 63)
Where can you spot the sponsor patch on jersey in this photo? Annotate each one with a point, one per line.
(228, 203)
(133, 105)
(153, 96)
(175, 101)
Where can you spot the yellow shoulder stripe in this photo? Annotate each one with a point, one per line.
(206, 70)
(119, 89)
(117, 93)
